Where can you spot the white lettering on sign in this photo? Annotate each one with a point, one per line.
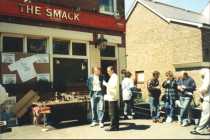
(49, 12)
(60, 14)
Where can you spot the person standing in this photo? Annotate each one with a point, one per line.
(170, 87)
(113, 97)
(127, 85)
(153, 87)
(186, 87)
(95, 87)
(204, 91)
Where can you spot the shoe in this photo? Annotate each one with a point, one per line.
(184, 124)
(93, 124)
(125, 113)
(112, 129)
(197, 133)
(169, 120)
(101, 125)
(133, 113)
(130, 117)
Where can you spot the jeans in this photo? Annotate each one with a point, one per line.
(170, 106)
(128, 107)
(184, 108)
(97, 106)
(154, 107)
(114, 114)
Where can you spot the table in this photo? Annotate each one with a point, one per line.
(77, 109)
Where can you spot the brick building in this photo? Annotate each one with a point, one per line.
(163, 37)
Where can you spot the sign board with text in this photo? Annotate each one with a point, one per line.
(45, 12)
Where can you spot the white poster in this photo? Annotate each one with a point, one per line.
(42, 58)
(140, 77)
(8, 57)
(9, 78)
(43, 77)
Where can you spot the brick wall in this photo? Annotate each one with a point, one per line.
(154, 44)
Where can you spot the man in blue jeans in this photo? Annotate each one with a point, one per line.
(186, 87)
(95, 88)
(153, 87)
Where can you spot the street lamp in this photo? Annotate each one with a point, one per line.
(101, 42)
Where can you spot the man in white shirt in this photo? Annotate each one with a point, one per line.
(113, 97)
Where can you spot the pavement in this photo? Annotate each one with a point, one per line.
(129, 129)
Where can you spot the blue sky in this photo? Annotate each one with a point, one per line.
(194, 5)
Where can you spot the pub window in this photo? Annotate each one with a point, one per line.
(36, 45)
(79, 49)
(12, 44)
(70, 73)
(107, 6)
(109, 51)
(61, 47)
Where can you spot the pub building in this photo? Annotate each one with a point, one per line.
(58, 41)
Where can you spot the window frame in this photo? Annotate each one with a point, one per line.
(37, 37)
(69, 46)
(109, 12)
(76, 41)
(116, 53)
(2, 35)
(70, 56)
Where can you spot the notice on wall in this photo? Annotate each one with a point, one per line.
(42, 58)
(25, 68)
(43, 77)
(9, 78)
(8, 58)
(140, 77)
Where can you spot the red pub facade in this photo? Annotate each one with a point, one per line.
(61, 40)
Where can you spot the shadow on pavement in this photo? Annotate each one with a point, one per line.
(133, 126)
(68, 124)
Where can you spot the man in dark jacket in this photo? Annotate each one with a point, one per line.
(186, 87)
(94, 83)
(153, 87)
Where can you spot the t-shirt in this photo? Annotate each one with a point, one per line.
(96, 83)
(25, 68)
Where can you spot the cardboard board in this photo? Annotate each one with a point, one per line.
(23, 104)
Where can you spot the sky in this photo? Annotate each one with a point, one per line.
(194, 5)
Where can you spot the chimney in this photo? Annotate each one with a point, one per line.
(206, 13)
